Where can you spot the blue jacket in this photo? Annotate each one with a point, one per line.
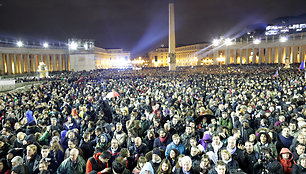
(179, 147)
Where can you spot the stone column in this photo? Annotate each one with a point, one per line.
(48, 61)
(21, 64)
(8, 64)
(35, 62)
(29, 64)
(254, 56)
(259, 55)
(15, 64)
(2, 64)
(267, 55)
(273, 55)
(54, 63)
(240, 56)
(288, 54)
(235, 56)
(247, 56)
(301, 54)
(279, 55)
(60, 63)
(227, 56)
(294, 53)
(215, 57)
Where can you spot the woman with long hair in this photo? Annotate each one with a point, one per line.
(164, 167)
(57, 151)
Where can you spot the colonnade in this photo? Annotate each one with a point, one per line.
(26, 62)
(267, 52)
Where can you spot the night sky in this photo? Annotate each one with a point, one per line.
(136, 25)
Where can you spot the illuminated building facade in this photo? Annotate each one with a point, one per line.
(19, 58)
(188, 55)
(267, 50)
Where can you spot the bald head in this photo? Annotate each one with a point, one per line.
(74, 153)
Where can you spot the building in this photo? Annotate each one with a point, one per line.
(187, 55)
(19, 59)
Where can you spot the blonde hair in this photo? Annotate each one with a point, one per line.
(33, 147)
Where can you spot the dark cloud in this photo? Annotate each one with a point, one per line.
(136, 25)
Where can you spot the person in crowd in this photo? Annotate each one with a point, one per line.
(175, 144)
(162, 140)
(99, 162)
(164, 167)
(140, 163)
(220, 168)
(300, 167)
(267, 164)
(214, 148)
(75, 164)
(286, 160)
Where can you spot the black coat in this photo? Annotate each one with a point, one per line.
(249, 161)
(298, 169)
(273, 166)
(162, 145)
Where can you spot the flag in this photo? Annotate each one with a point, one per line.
(302, 66)
(276, 74)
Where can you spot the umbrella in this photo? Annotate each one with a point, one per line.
(112, 94)
(199, 119)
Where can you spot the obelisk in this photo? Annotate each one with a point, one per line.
(172, 57)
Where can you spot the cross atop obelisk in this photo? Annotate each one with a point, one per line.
(172, 57)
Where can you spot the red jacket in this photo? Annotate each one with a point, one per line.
(93, 163)
(286, 163)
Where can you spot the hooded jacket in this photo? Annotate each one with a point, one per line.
(286, 163)
(93, 163)
(147, 167)
(207, 138)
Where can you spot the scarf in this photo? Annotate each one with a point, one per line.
(231, 150)
(162, 139)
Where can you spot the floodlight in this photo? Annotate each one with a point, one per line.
(46, 45)
(283, 39)
(228, 42)
(73, 46)
(216, 42)
(256, 41)
(19, 44)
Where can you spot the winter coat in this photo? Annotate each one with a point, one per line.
(272, 146)
(179, 147)
(227, 122)
(86, 147)
(249, 161)
(298, 169)
(136, 152)
(180, 171)
(93, 163)
(149, 142)
(274, 167)
(206, 138)
(232, 164)
(32, 164)
(68, 167)
(286, 163)
(286, 141)
(114, 154)
(162, 144)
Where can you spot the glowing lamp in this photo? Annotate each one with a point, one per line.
(73, 46)
(228, 42)
(256, 41)
(283, 39)
(216, 42)
(19, 44)
(45, 45)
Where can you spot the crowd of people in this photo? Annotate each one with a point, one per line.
(193, 120)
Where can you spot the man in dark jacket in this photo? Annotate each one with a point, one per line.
(245, 130)
(139, 149)
(162, 141)
(251, 157)
(220, 168)
(266, 163)
(99, 162)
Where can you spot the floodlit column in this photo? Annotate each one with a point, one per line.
(15, 64)
(288, 54)
(235, 56)
(215, 57)
(273, 55)
(48, 61)
(227, 56)
(259, 55)
(29, 64)
(247, 56)
(40, 58)
(279, 55)
(301, 54)
(9, 64)
(254, 56)
(2, 64)
(21, 64)
(172, 56)
(294, 53)
(267, 56)
(53, 63)
(241, 56)
(35, 63)
(60, 62)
